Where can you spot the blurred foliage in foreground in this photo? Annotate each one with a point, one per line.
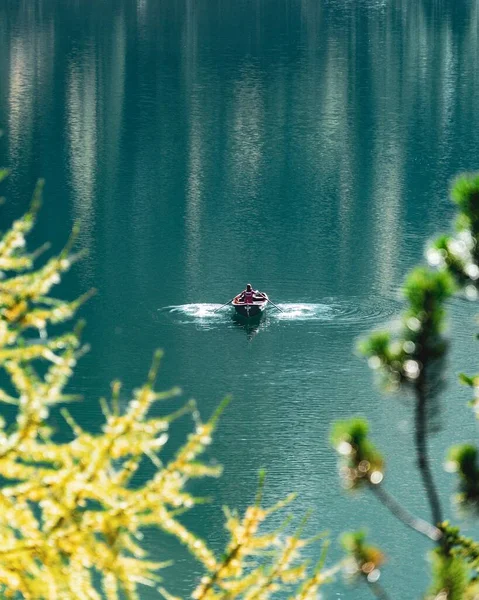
(70, 519)
(409, 357)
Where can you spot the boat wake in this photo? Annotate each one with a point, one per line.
(196, 311)
(334, 312)
(208, 316)
(303, 312)
(203, 316)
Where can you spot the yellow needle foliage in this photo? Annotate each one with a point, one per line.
(70, 519)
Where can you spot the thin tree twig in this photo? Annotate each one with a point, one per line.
(420, 437)
(378, 590)
(416, 523)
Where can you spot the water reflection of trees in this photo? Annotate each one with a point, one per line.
(331, 115)
(345, 105)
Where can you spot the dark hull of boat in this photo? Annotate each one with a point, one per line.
(248, 311)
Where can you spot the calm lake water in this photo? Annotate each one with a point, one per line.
(306, 146)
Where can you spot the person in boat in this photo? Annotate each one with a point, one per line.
(249, 295)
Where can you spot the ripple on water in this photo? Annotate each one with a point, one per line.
(337, 312)
(371, 311)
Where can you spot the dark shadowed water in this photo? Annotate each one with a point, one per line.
(306, 146)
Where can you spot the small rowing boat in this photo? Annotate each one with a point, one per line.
(255, 307)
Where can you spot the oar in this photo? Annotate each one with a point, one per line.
(225, 304)
(280, 310)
